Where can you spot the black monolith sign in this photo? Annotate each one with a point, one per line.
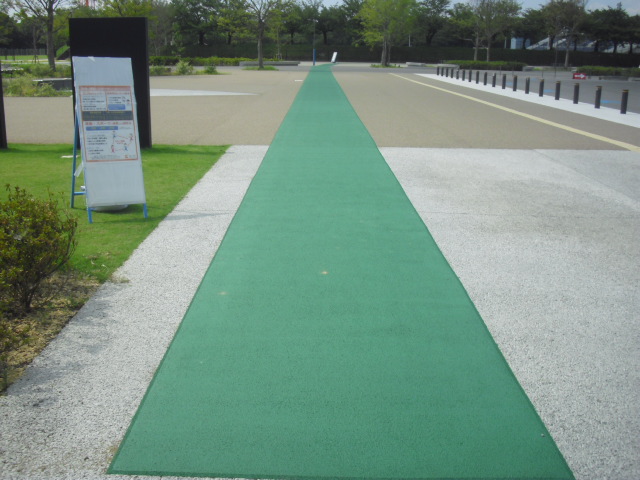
(124, 37)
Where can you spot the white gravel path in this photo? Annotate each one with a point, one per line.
(546, 243)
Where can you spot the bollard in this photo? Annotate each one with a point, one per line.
(576, 93)
(470, 76)
(478, 76)
(457, 74)
(493, 80)
(464, 75)
(515, 83)
(541, 88)
(558, 90)
(486, 74)
(504, 81)
(438, 71)
(527, 85)
(598, 96)
(625, 100)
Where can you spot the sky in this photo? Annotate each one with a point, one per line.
(631, 6)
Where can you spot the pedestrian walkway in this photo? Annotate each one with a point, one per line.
(330, 338)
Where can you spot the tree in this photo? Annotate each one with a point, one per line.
(161, 28)
(32, 29)
(261, 12)
(328, 21)
(351, 23)
(564, 19)
(531, 26)
(431, 17)
(233, 18)
(194, 20)
(460, 26)
(44, 11)
(126, 8)
(634, 32)
(609, 25)
(492, 17)
(386, 22)
(7, 29)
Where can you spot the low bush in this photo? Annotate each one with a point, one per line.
(159, 70)
(163, 61)
(37, 238)
(478, 65)
(595, 71)
(42, 70)
(184, 68)
(171, 61)
(26, 87)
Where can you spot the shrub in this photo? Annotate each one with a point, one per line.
(39, 70)
(479, 65)
(595, 71)
(36, 239)
(25, 87)
(184, 68)
(210, 70)
(166, 61)
(158, 70)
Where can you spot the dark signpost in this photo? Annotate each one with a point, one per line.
(120, 38)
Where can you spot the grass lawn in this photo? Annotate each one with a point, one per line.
(104, 245)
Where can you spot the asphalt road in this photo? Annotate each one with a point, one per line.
(397, 112)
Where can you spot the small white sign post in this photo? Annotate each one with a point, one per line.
(107, 125)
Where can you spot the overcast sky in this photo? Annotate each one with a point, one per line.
(631, 6)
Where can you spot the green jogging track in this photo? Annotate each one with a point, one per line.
(330, 338)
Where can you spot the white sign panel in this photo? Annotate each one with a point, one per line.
(108, 127)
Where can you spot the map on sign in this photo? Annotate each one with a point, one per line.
(108, 123)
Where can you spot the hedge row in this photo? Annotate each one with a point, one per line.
(476, 65)
(593, 70)
(172, 60)
(421, 53)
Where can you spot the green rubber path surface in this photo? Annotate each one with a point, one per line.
(330, 338)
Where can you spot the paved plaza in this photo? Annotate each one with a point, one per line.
(536, 208)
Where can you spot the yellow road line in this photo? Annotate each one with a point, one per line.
(627, 146)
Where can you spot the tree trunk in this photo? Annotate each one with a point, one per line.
(383, 58)
(566, 55)
(51, 52)
(260, 36)
(476, 47)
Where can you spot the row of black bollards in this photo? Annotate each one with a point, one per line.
(449, 73)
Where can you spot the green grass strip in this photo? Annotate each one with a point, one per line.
(169, 173)
(330, 338)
